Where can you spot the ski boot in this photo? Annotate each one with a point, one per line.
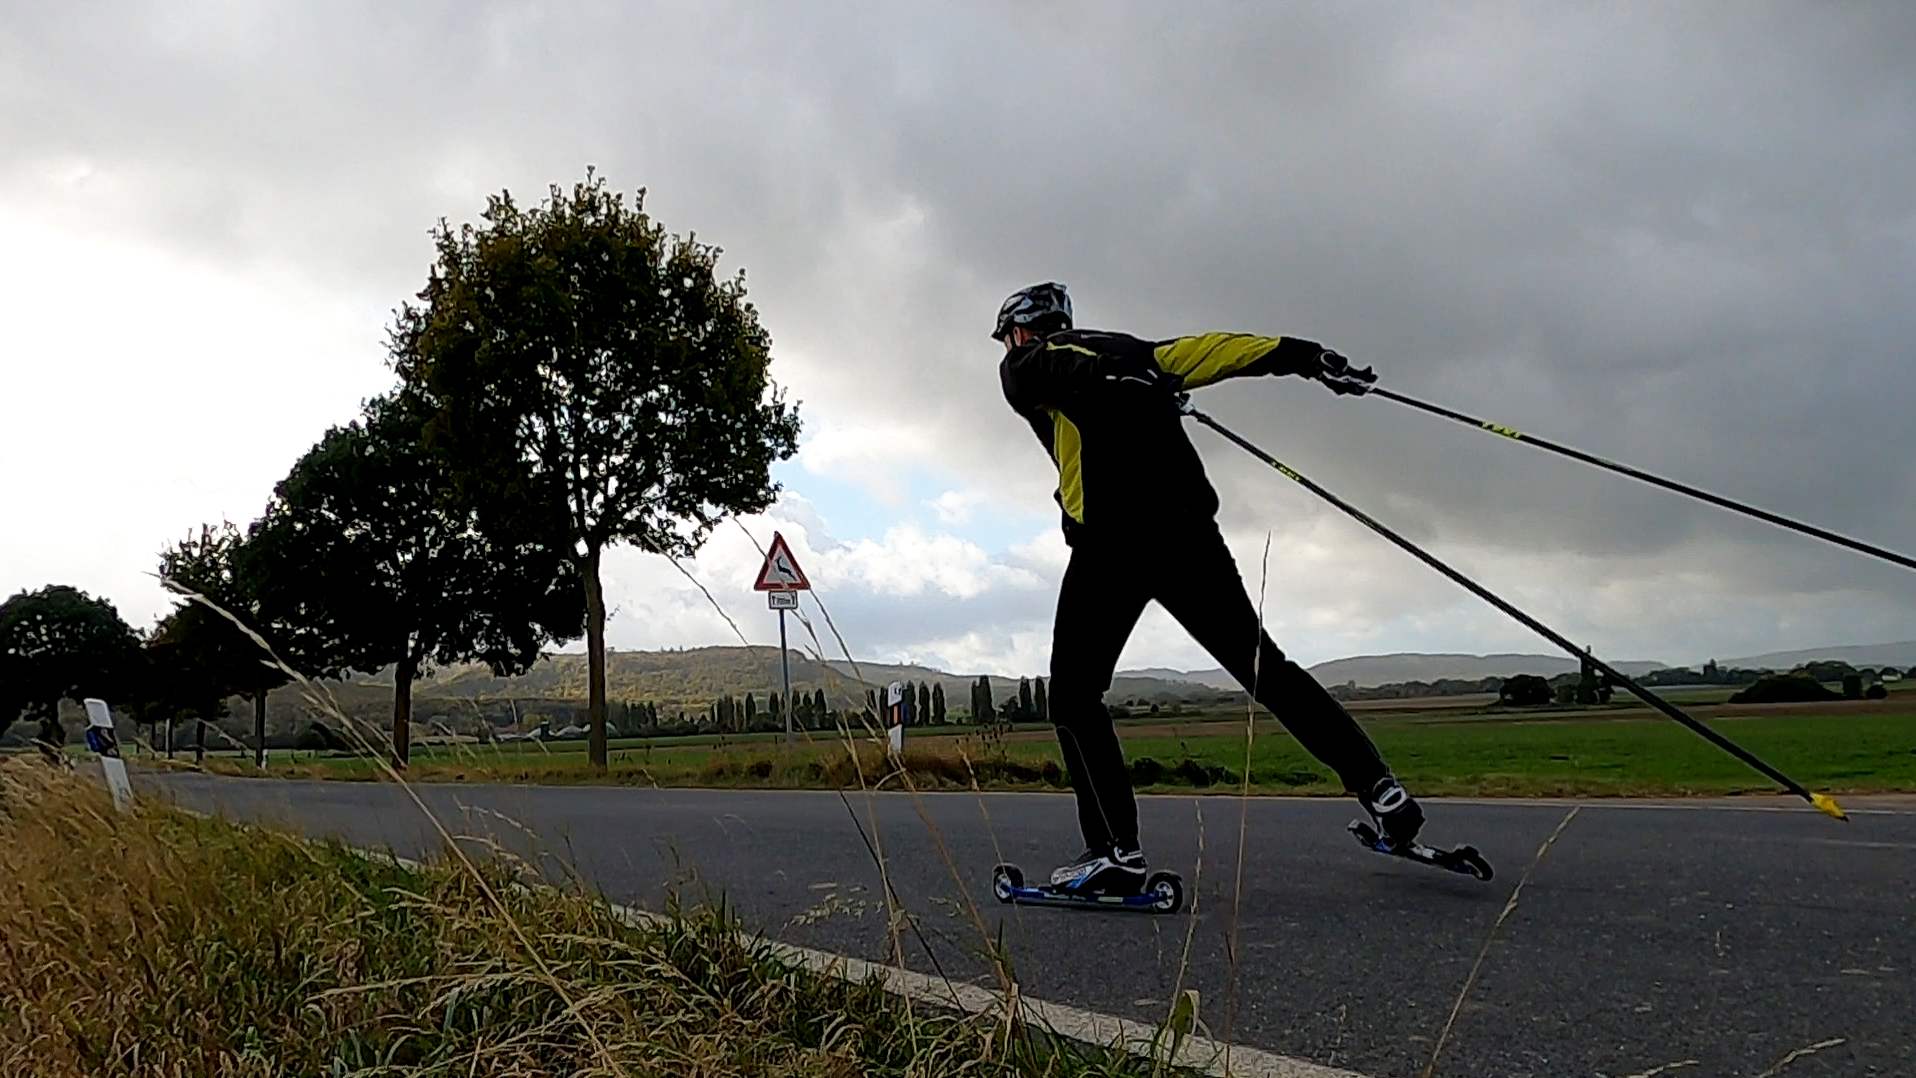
(1396, 818)
(1108, 879)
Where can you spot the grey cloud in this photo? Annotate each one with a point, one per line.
(1682, 236)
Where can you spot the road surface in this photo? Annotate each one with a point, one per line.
(1729, 933)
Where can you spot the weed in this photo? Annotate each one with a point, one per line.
(161, 943)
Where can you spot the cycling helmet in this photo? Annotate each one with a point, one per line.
(1038, 303)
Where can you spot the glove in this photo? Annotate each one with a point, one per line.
(1343, 379)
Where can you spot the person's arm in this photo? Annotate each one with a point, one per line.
(1210, 357)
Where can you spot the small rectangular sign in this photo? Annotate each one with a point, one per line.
(781, 600)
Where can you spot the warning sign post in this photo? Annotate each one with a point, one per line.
(781, 580)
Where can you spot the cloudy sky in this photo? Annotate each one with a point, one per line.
(1679, 235)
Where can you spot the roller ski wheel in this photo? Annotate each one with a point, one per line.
(1163, 892)
(1463, 859)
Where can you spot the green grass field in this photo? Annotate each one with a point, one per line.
(1621, 753)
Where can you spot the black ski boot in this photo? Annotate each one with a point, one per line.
(1397, 813)
(1103, 872)
(1396, 819)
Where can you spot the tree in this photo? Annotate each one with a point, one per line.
(1525, 690)
(183, 669)
(983, 711)
(820, 713)
(208, 565)
(1040, 701)
(360, 562)
(926, 716)
(751, 710)
(1025, 708)
(938, 704)
(59, 643)
(591, 381)
(1827, 670)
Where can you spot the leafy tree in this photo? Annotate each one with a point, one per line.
(938, 704)
(1793, 688)
(592, 381)
(362, 564)
(183, 671)
(926, 716)
(59, 643)
(209, 565)
(983, 711)
(821, 715)
(1025, 707)
(1827, 670)
(1040, 702)
(1525, 690)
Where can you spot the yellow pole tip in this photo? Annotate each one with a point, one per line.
(1827, 805)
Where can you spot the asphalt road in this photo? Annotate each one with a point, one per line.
(1725, 933)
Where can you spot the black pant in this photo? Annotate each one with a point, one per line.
(1190, 572)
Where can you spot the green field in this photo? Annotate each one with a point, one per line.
(1622, 753)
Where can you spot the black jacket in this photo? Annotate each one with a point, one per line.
(1124, 461)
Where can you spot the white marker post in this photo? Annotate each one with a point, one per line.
(100, 738)
(895, 712)
(781, 580)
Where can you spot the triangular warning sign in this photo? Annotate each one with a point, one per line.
(780, 571)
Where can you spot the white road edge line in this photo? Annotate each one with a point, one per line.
(1200, 1054)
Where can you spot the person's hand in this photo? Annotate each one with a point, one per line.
(1343, 379)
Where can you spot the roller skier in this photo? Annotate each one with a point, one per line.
(1139, 517)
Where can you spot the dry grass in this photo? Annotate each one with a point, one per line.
(158, 943)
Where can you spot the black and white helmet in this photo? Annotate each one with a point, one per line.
(1039, 303)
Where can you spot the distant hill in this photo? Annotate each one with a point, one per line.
(690, 679)
(1215, 679)
(1900, 655)
(1368, 670)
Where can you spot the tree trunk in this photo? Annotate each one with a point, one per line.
(199, 742)
(595, 661)
(259, 728)
(169, 737)
(402, 710)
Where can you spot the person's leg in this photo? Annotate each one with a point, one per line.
(1201, 588)
(1097, 609)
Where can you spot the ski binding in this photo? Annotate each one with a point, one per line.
(1163, 893)
(1464, 859)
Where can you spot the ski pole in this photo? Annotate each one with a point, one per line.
(1656, 480)
(1823, 802)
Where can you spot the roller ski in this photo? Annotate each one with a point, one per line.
(1113, 879)
(1395, 821)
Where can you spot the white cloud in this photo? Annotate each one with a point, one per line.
(955, 506)
(147, 394)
